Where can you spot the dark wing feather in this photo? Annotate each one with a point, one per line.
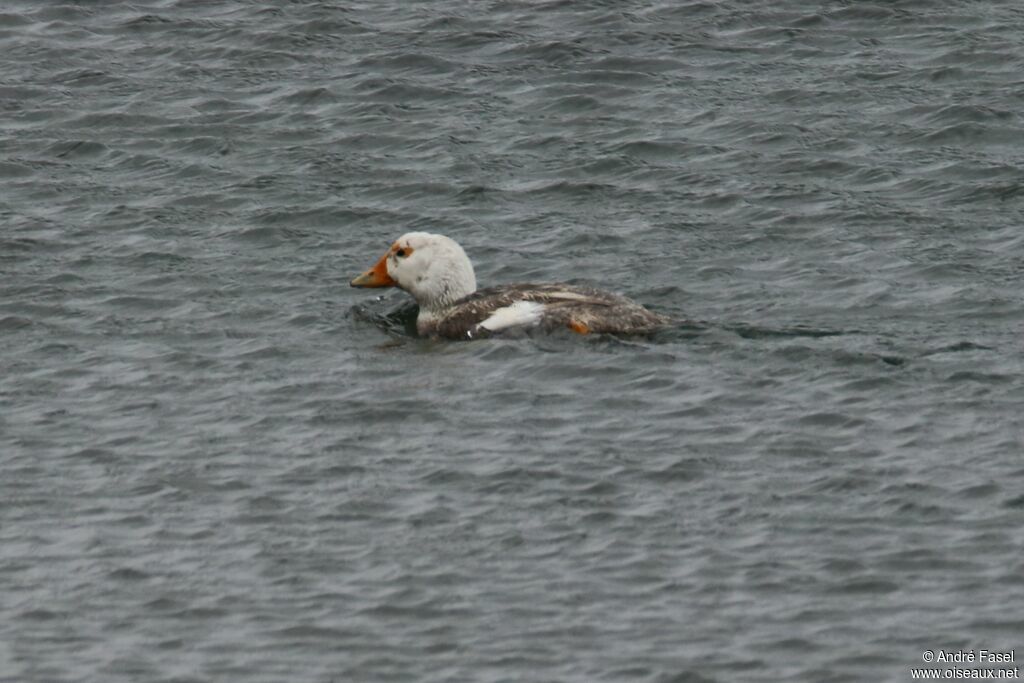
(545, 294)
(565, 305)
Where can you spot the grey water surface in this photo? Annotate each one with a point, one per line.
(220, 463)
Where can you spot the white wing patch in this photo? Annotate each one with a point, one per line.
(519, 313)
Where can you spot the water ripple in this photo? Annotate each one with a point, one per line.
(214, 447)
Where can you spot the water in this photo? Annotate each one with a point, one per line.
(220, 463)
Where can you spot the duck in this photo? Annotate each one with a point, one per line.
(438, 274)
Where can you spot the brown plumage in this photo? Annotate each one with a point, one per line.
(581, 309)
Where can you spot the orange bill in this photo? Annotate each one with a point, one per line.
(376, 276)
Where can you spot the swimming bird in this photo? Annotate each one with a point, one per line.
(435, 270)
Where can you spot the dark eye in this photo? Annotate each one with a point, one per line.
(400, 253)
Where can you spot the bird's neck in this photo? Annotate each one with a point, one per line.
(445, 291)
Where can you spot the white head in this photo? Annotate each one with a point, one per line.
(433, 268)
